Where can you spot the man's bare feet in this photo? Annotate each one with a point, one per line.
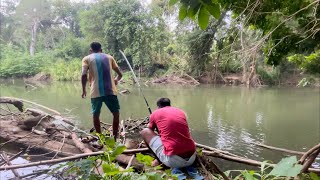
(155, 163)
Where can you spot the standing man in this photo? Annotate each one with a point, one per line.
(174, 146)
(102, 84)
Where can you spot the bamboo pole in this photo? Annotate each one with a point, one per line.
(279, 149)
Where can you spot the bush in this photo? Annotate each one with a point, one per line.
(65, 71)
(269, 77)
(14, 63)
(309, 63)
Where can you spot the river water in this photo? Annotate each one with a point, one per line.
(229, 118)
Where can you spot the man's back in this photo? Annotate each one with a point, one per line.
(174, 131)
(100, 74)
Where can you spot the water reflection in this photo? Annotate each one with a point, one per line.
(229, 118)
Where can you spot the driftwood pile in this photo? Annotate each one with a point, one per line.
(53, 135)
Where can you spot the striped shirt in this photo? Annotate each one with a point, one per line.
(100, 68)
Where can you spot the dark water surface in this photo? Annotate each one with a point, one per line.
(229, 118)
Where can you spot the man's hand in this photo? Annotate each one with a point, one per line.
(84, 94)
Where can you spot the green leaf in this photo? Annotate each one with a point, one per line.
(172, 2)
(248, 175)
(145, 159)
(110, 142)
(193, 9)
(110, 169)
(143, 177)
(287, 167)
(314, 176)
(214, 10)
(118, 150)
(203, 18)
(182, 12)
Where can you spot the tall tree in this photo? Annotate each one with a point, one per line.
(31, 15)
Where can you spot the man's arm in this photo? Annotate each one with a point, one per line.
(152, 124)
(119, 75)
(84, 80)
(84, 77)
(115, 67)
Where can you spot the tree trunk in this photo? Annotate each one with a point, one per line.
(34, 29)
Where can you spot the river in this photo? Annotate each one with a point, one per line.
(229, 118)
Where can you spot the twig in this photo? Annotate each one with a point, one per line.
(14, 171)
(64, 137)
(12, 157)
(203, 167)
(218, 170)
(35, 173)
(130, 162)
(78, 156)
(134, 127)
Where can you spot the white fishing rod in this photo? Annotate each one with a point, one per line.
(136, 79)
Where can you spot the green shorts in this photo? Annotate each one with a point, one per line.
(111, 101)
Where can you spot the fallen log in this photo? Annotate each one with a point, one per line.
(79, 144)
(279, 149)
(245, 160)
(215, 150)
(16, 102)
(309, 161)
(33, 103)
(125, 160)
(310, 151)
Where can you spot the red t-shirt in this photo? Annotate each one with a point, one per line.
(173, 130)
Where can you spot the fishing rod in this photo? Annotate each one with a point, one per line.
(136, 79)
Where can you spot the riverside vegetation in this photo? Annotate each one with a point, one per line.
(251, 42)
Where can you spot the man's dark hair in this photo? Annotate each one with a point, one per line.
(95, 46)
(163, 102)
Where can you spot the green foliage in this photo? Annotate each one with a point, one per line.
(201, 9)
(309, 63)
(145, 159)
(85, 169)
(287, 167)
(269, 77)
(65, 71)
(14, 63)
(140, 33)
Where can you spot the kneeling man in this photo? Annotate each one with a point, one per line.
(174, 146)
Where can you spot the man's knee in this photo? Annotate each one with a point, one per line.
(145, 131)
